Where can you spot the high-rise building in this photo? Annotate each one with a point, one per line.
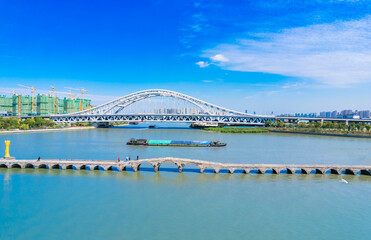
(334, 114)
(364, 114)
(346, 112)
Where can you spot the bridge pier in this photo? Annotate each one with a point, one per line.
(156, 166)
(121, 168)
(180, 167)
(246, 170)
(135, 167)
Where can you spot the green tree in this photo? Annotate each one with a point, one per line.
(50, 123)
(24, 126)
(30, 121)
(302, 125)
(40, 122)
(352, 127)
(10, 123)
(280, 124)
(268, 123)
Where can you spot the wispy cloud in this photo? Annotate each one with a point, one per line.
(196, 24)
(335, 54)
(202, 64)
(207, 81)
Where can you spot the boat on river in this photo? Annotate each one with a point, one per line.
(172, 143)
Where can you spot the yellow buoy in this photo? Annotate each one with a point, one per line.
(7, 143)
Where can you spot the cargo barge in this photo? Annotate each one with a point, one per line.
(146, 142)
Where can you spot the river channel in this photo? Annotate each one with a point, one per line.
(69, 204)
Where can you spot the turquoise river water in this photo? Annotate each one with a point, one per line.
(69, 204)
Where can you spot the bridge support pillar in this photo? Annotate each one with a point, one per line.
(135, 167)
(156, 167)
(180, 167)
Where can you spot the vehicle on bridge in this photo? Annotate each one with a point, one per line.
(172, 143)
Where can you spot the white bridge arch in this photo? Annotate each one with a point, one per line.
(114, 111)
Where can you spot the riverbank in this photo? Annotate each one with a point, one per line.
(309, 131)
(46, 130)
(322, 132)
(235, 130)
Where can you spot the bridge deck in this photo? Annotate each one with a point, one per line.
(181, 163)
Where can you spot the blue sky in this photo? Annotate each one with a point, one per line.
(263, 56)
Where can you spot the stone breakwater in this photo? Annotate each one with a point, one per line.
(180, 163)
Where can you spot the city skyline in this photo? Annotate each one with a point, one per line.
(263, 56)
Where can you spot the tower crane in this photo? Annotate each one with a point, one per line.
(32, 92)
(83, 90)
(12, 92)
(55, 100)
(55, 97)
(69, 90)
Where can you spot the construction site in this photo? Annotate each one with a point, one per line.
(16, 104)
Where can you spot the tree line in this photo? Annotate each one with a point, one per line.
(319, 125)
(12, 123)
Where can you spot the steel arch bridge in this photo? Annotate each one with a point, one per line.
(117, 111)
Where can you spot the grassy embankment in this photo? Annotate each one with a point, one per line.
(334, 129)
(236, 130)
(340, 129)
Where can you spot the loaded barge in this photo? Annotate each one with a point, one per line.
(146, 142)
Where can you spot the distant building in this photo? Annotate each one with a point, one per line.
(364, 114)
(334, 114)
(346, 112)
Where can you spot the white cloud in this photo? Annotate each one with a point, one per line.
(219, 58)
(336, 54)
(202, 64)
(207, 81)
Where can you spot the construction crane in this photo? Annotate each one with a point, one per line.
(32, 92)
(82, 95)
(83, 90)
(55, 97)
(55, 100)
(12, 92)
(70, 93)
